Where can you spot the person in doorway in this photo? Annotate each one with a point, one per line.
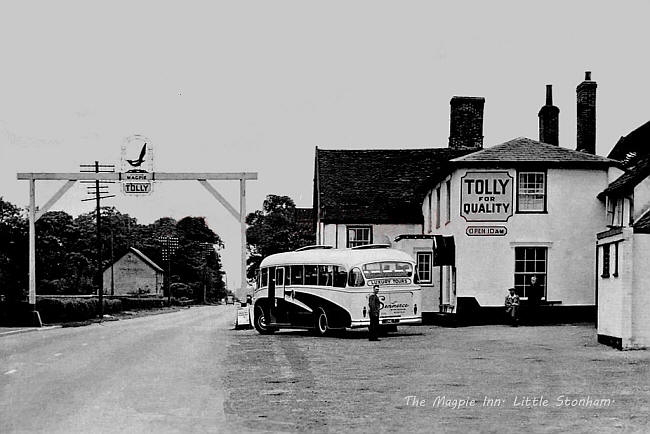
(374, 306)
(534, 293)
(512, 307)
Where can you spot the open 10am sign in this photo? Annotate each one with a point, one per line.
(486, 196)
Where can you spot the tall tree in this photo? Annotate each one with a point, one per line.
(13, 252)
(274, 229)
(200, 266)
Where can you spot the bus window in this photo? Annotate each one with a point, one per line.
(387, 269)
(311, 275)
(279, 276)
(340, 276)
(356, 278)
(297, 274)
(265, 277)
(325, 275)
(287, 276)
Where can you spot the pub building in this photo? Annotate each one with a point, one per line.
(488, 219)
(523, 208)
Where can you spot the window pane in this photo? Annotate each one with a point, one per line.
(265, 277)
(531, 191)
(530, 261)
(340, 276)
(325, 277)
(356, 278)
(297, 275)
(359, 236)
(311, 275)
(424, 267)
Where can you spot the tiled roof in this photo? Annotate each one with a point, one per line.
(643, 224)
(633, 176)
(522, 150)
(376, 186)
(633, 145)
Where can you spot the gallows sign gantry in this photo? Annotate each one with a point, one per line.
(71, 178)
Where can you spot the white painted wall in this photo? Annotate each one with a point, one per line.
(611, 290)
(641, 292)
(485, 265)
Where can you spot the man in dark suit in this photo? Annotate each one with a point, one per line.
(534, 293)
(374, 306)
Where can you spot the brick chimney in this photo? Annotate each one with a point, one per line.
(586, 99)
(466, 123)
(549, 120)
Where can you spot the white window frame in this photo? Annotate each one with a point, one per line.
(429, 269)
(358, 241)
(527, 273)
(527, 189)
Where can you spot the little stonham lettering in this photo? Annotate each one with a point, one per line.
(486, 196)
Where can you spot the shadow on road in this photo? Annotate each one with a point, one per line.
(344, 334)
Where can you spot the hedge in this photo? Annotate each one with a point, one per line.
(73, 309)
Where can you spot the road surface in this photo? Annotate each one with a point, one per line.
(158, 373)
(189, 371)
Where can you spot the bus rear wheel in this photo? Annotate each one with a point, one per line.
(260, 322)
(321, 327)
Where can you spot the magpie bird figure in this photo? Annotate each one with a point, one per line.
(140, 160)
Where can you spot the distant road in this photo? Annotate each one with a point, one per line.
(160, 373)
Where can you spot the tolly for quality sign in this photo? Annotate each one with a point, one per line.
(486, 196)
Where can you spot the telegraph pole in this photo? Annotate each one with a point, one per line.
(99, 192)
(169, 247)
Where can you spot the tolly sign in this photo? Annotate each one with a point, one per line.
(486, 196)
(137, 166)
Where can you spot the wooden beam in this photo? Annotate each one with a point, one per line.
(157, 176)
(45, 208)
(220, 198)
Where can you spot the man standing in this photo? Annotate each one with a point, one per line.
(374, 306)
(534, 293)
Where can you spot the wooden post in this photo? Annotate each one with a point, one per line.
(32, 244)
(242, 222)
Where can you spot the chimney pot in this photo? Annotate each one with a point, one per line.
(549, 120)
(587, 75)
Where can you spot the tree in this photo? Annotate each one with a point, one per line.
(197, 261)
(274, 229)
(13, 252)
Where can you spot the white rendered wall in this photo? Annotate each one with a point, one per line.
(641, 292)
(485, 265)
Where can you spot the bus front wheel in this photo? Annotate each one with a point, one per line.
(261, 323)
(320, 326)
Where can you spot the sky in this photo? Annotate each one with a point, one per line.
(255, 86)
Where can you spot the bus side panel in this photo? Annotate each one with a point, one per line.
(337, 315)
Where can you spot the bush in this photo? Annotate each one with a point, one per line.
(73, 309)
(129, 303)
(181, 290)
